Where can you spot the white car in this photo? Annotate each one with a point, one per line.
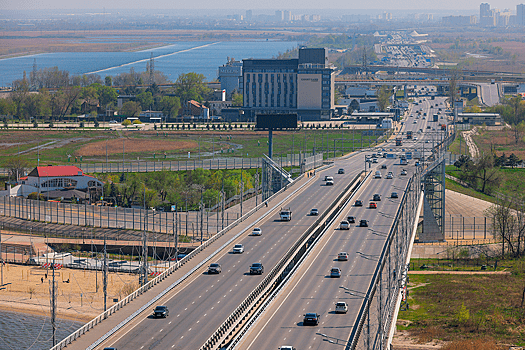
(238, 249)
(377, 175)
(329, 183)
(343, 256)
(341, 307)
(256, 231)
(344, 225)
(286, 347)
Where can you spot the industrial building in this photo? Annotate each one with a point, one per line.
(304, 86)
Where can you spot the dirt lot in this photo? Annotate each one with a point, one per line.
(114, 146)
(24, 291)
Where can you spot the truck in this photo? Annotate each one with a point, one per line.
(436, 117)
(399, 142)
(409, 135)
(285, 214)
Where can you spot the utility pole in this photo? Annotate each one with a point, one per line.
(53, 303)
(105, 274)
(1, 258)
(144, 274)
(242, 191)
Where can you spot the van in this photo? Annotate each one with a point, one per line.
(377, 175)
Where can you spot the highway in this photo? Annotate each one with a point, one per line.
(312, 290)
(202, 303)
(199, 307)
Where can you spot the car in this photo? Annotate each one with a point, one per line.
(335, 272)
(376, 197)
(363, 223)
(330, 183)
(344, 225)
(374, 160)
(343, 256)
(377, 174)
(161, 311)
(113, 122)
(110, 348)
(256, 269)
(350, 219)
(428, 127)
(238, 249)
(256, 231)
(314, 212)
(329, 178)
(383, 166)
(358, 203)
(389, 176)
(394, 195)
(341, 171)
(341, 307)
(286, 347)
(372, 205)
(214, 268)
(403, 172)
(178, 257)
(311, 318)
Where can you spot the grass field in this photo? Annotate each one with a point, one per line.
(88, 146)
(452, 307)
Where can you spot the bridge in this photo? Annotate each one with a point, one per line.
(236, 310)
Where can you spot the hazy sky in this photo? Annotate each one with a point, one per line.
(420, 5)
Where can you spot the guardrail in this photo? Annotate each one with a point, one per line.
(382, 261)
(272, 280)
(170, 270)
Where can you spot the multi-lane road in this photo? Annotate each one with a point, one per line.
(202, 303)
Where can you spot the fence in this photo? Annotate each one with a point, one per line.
(54, 219)
(459, 227)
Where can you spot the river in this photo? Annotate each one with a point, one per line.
(172, 60)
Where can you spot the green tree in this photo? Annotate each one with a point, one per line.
(237, 99)
(130, 109)
(191, 86)
(170, 105)
(383, 97)
(107, 96)
(108, 80)
(145, 99)
(482, 173)
(7, 106)
(354, 105)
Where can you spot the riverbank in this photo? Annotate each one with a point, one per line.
(80, 295)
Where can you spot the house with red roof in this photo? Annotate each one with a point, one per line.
(54, 178)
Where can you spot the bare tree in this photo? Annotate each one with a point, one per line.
(16, 167)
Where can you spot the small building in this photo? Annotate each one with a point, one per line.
(51, 178)
(195, 109)
(152, 116)
(490, 119)
(216, 107)
(230, 75)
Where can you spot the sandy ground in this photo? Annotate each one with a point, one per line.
(78, 300)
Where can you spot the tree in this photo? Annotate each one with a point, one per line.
(517, 105)
(130, 109)
(107, 95)
(145, 99)
(108, 81)
(237, 99)
(383, 97)
(353, 106)
(170, 105)
(19, 93)
(191, 86)
(16, 167)
(453, 86)
(513, 160)
(7, 106)
(482, 173)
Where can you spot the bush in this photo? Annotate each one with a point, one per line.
(35, 124)
(126, 122)
(80, 125)
(97, 124)
(137, 122)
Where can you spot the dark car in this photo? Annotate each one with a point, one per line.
(351, 219)
(383, 166)
(394, 195)
(358, 203)
(377, 197)
(161, 311)
(314, 212)
(341, 171)
(311, 318)
(214, 268)
(363, 223)
(256, 269)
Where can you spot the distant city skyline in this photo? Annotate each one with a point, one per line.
(386, 5)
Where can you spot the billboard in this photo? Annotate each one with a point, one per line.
(276, 121)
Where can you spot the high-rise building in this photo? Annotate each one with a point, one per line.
(304, 86)
(279, 15)
(230, 75)
(249, 15)
(484, 10)
(520, 14)
(287, 16)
